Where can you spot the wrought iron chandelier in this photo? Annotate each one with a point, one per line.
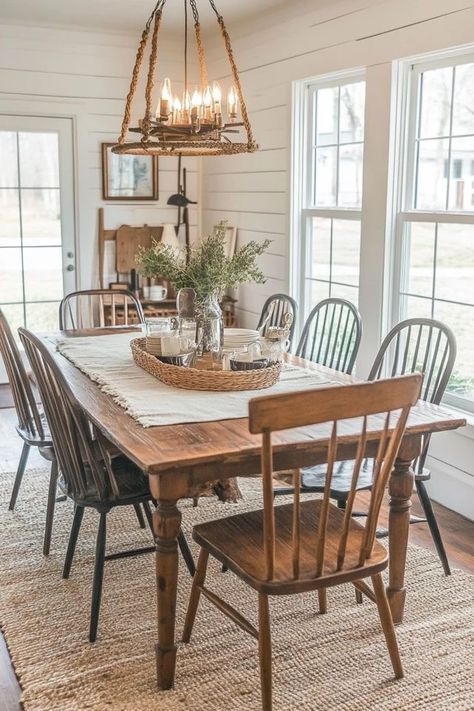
(196, 125)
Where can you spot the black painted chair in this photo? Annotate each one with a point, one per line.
(273, 311)
(32, 426)
(331, 335)
(91, 473)
(418, 344)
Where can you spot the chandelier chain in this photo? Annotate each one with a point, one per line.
(133, 85)
(235, 74)
(211, 3)
(151, 76)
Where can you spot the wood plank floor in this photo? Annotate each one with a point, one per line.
(457, 532)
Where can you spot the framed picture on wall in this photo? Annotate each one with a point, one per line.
(127, 177)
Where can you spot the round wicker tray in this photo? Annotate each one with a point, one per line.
(196, 379)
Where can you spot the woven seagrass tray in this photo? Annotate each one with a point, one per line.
(196, 379)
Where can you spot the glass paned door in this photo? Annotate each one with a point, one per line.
(37, 252)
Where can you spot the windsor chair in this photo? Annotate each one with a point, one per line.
(311, 545)
(417, 344)
(96, 308)
(273, 311)
(92, 476)
(32, 425)
(331, 335)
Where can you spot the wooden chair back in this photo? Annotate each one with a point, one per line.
(420, 345)
(96, 308)
(274, 309)
(378, 412)
(331, 335)
(29, 419)
(71, 433)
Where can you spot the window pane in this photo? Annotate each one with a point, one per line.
(455, 265)
(341, 291)
(41, 217)
(326, 115)
(414, 307)
(350, 176)
(316, 291)
(43, 273)
(463, 113)
(319, 244)
(460, 319)
(346, 251)
(8, 160)
(11, 285)
(432, 183)
(42, 317)
(418, 268)
(352, 107)
(39, 160)
(326, 177)
(436, 88)
(461, 181)
(10, 235)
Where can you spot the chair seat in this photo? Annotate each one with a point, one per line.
(33, 438)
(132, 484)
(314, 478)
(237, 542)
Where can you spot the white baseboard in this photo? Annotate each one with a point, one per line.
(451, 487)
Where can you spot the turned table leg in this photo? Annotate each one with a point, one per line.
(400, 491)
(166, 526)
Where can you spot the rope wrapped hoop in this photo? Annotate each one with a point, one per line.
(156, 137)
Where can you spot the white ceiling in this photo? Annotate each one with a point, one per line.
(128, 15)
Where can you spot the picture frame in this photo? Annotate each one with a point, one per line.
(230, 240)
(128, 177)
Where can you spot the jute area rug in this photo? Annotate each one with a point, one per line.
(335, 661)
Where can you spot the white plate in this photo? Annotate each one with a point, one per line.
(240, 333)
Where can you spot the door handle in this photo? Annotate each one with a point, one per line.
(70, 268)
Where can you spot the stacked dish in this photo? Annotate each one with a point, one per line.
(238, 338)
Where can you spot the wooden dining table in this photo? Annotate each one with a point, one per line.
(177, 458)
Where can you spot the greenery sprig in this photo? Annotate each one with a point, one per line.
(208, 269)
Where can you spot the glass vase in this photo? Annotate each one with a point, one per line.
(210, 325)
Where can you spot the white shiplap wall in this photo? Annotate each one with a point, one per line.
(85, 76)
(253, 192)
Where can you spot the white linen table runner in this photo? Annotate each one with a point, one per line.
(108, 361)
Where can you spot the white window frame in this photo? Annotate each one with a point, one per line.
(409, 71)
(303, 181)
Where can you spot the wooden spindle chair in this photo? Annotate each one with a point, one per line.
(91, 476)
(331, 335)
(274, 308)
(32, 426)
(97, 308)
(311, 545)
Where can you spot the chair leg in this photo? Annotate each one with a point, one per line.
(76, 525)
(19, 475)
(98, 577)
(265, 651)
(323, 601)
(53, 483)
(199, 579)
(186, 553)
(139, 513)
(386, 620)
(359, 597)
(433, 524)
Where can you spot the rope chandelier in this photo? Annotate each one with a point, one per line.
(194, 125)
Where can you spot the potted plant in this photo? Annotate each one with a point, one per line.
(209, 272)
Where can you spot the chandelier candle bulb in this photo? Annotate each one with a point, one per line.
(177, 116)
(165, 100)
(207, 102)
(232, 104)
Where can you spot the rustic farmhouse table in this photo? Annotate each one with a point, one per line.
(179, 457)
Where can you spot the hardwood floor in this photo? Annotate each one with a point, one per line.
(457, 531)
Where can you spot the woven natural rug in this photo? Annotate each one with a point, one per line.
(336, 661)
